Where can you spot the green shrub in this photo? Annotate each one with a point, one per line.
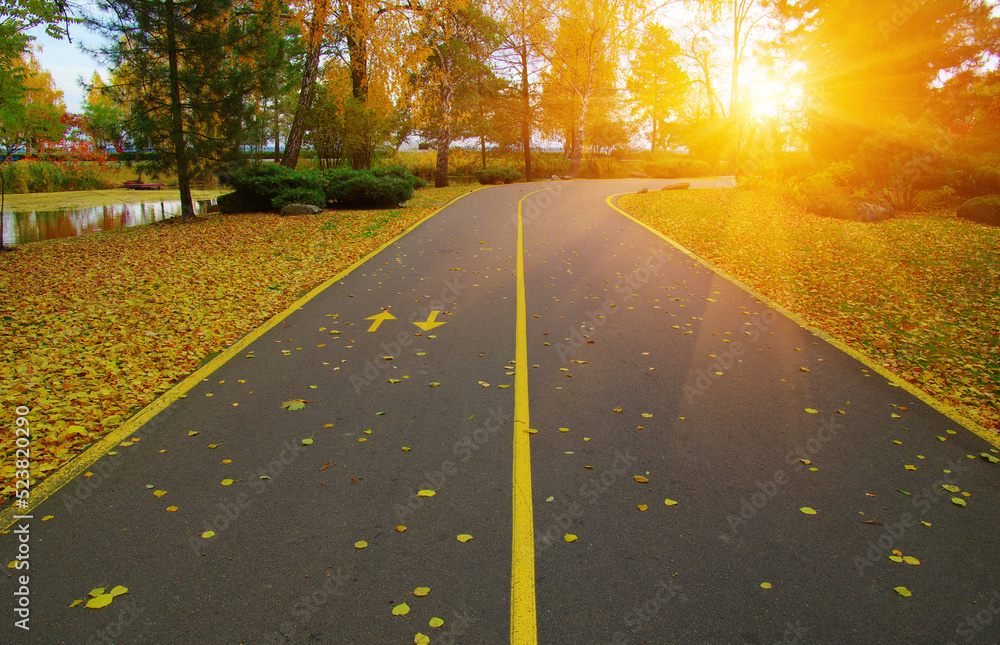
(15, 176)
(44, 177)
(261, 187)
(677, 168)
(499, 173)
(84, 177)
(841, 173)
(380, 188)
(400, 173)
(269, 180)
(604, 168)
(546, 164)
(299, 195)
(900, 161)
(987, 180)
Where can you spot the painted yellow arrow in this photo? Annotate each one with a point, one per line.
(378, 318)
(429, 324)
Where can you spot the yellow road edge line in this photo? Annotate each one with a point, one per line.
(79, 464)
(948, 410)
(523, 621)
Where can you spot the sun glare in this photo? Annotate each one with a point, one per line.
(771, 98)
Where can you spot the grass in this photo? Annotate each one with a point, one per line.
(94, 327)
(91, 198)
(919, 294)
(463, 162)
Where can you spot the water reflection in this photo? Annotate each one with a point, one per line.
(32, 226)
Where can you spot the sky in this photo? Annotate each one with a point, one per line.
(67, 63)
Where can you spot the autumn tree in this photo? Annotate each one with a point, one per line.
(459, 40)
(104, 118)
(41, 111)
(312, 15)
(492, 114)
(657, 83)
(342, 127)
(525, 30)
(378, 42)
(185, 70)
(860, 74)
(16, 18)
(592, 37)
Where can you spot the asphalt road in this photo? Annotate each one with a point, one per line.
(640, 362)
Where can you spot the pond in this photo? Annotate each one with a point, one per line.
(31, 226)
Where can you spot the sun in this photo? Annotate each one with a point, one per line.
(769, 98)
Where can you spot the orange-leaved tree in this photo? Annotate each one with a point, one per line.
(592, 37)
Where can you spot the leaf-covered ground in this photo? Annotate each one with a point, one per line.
(93, 328)
(919, 294)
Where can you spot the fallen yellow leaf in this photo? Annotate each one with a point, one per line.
(100, 601)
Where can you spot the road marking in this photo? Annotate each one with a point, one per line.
(523, 623)
(378, 318)
(79, 464)
(947, 410)
(429, 324)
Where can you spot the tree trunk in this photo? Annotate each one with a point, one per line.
(357, 50)
(652, 138)
(482, 149)
(526, 113)
(3, 187)
(177, 117)
(308, 92)
(444, 136)
(734, 89)
(579, 132)
(277, 131)
(441, 172)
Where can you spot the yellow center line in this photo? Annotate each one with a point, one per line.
(523, 623)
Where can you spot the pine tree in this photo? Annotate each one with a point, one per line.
(185, 72)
